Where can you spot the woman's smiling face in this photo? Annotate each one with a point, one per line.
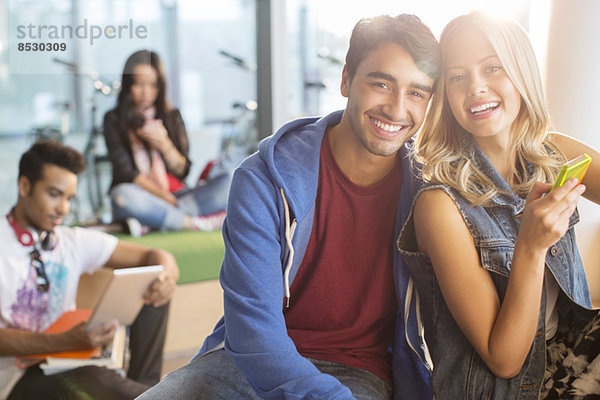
(482, 97)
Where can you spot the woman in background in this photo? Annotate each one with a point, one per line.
(148, 148)
(503, 294)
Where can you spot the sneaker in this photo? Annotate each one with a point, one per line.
(210, 222)
(135, 228)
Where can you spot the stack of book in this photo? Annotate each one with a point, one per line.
(111, 355)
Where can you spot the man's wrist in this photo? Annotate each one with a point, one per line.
(173, 271)
(167, 260)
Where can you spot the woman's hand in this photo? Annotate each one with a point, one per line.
(169, 198)
(155, 133)
(546, 215)
(151, 187)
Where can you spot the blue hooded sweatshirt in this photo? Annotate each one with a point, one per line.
(269, 221)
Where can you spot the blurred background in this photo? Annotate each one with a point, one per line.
(238, 69)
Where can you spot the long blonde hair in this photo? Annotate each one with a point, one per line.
(438, 146)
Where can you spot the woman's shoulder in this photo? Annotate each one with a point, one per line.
(435, 207)
(436, 196)
(435, 193)
(442, 199)
(173, 118)
(568, 145)
(428, 186)
(112, 112)
(563, 141)
(555, 138)
(173, 113)
(111, 115)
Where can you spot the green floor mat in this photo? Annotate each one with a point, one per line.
(198, 254)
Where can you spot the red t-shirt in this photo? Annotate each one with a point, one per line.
(343, 302)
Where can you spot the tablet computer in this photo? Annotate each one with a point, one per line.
(122, 297)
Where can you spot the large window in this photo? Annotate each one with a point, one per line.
(208, 48)
(209, 51)
(318, 33)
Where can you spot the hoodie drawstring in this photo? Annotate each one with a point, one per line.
(290, 227)
(428, 362)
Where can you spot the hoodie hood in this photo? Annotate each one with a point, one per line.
(292, 161)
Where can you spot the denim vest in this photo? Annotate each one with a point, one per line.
(458, 371)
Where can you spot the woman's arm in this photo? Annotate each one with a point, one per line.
(155, 133)
(178, 134)
(123, 167)
(176, 162)
(151, 187)
(171, 140)
(572, 148)
(501, 334)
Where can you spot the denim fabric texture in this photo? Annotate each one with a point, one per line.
(214, 376)
(131, 201)
(459, 372)
(207, 198)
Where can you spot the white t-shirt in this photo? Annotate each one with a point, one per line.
(22, 306)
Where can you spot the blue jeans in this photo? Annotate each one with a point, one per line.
(215, 377)
(131, 201)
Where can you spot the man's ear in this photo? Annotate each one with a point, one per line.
(346, 80)
(24, 186)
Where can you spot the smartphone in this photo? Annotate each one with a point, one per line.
(575, 168)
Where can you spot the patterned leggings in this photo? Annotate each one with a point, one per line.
(573, 362)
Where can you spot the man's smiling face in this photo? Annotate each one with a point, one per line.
(387, 99)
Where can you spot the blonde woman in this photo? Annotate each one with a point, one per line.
(503, 294)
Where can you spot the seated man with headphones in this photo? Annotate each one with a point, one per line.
(40, 265)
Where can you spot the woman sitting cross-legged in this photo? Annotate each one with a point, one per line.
(148, 148)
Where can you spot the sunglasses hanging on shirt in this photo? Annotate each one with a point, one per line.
(41, 279)
(29, 237)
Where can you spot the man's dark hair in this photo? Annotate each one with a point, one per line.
(405, 30)
(49, 152)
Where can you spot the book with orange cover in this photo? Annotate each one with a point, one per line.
(65, 322)
(110, 356)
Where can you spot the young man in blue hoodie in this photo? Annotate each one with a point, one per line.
(314, 294)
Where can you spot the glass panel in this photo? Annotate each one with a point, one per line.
(218, 63)
(208, 49)
(318, 33)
